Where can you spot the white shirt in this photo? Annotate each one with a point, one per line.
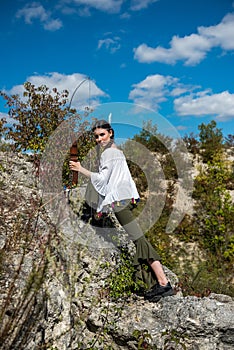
(113, 182)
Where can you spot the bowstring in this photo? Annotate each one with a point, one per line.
(69, 108)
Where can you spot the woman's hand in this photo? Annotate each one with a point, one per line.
(75, 166)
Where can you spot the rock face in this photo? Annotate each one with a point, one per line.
(177, 323)
(54, 293)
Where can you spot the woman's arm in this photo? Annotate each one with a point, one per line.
(76, 166)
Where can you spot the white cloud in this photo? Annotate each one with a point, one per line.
(110, 44)
(221, 34)
(220, 106)
(32, 11)
(152, 91)
(179, 90)
(35, 11)
(137, 5)
(188, 100)
(87, 94)
(109, 6)
(53, 25)
(125, 15)
(191, 49)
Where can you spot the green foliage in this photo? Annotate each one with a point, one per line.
(121, 282)
(35, 116)
(191, 143)
(208, 276)
(144, 339)
(215, 209)
(229, 141)
(4, 146)
(169, 167)
(211, 140)
(139, 176)
(174, 339)
(188, 229)
(158, 144)
(211, 227)
(152, 139)
(2, 127)
(143, 149)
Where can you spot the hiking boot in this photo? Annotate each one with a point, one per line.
(157, 292)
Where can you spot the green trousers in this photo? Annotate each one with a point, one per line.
(144, 250)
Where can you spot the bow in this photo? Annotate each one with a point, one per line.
(74, 158)
(73, 148)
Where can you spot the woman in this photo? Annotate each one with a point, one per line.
(116, 188)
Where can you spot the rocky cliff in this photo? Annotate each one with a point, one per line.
(53, 283)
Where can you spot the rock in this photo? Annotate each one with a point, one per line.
(53, 292)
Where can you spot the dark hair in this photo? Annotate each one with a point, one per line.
(103, 124)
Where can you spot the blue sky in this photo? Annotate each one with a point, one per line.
(175, 58)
